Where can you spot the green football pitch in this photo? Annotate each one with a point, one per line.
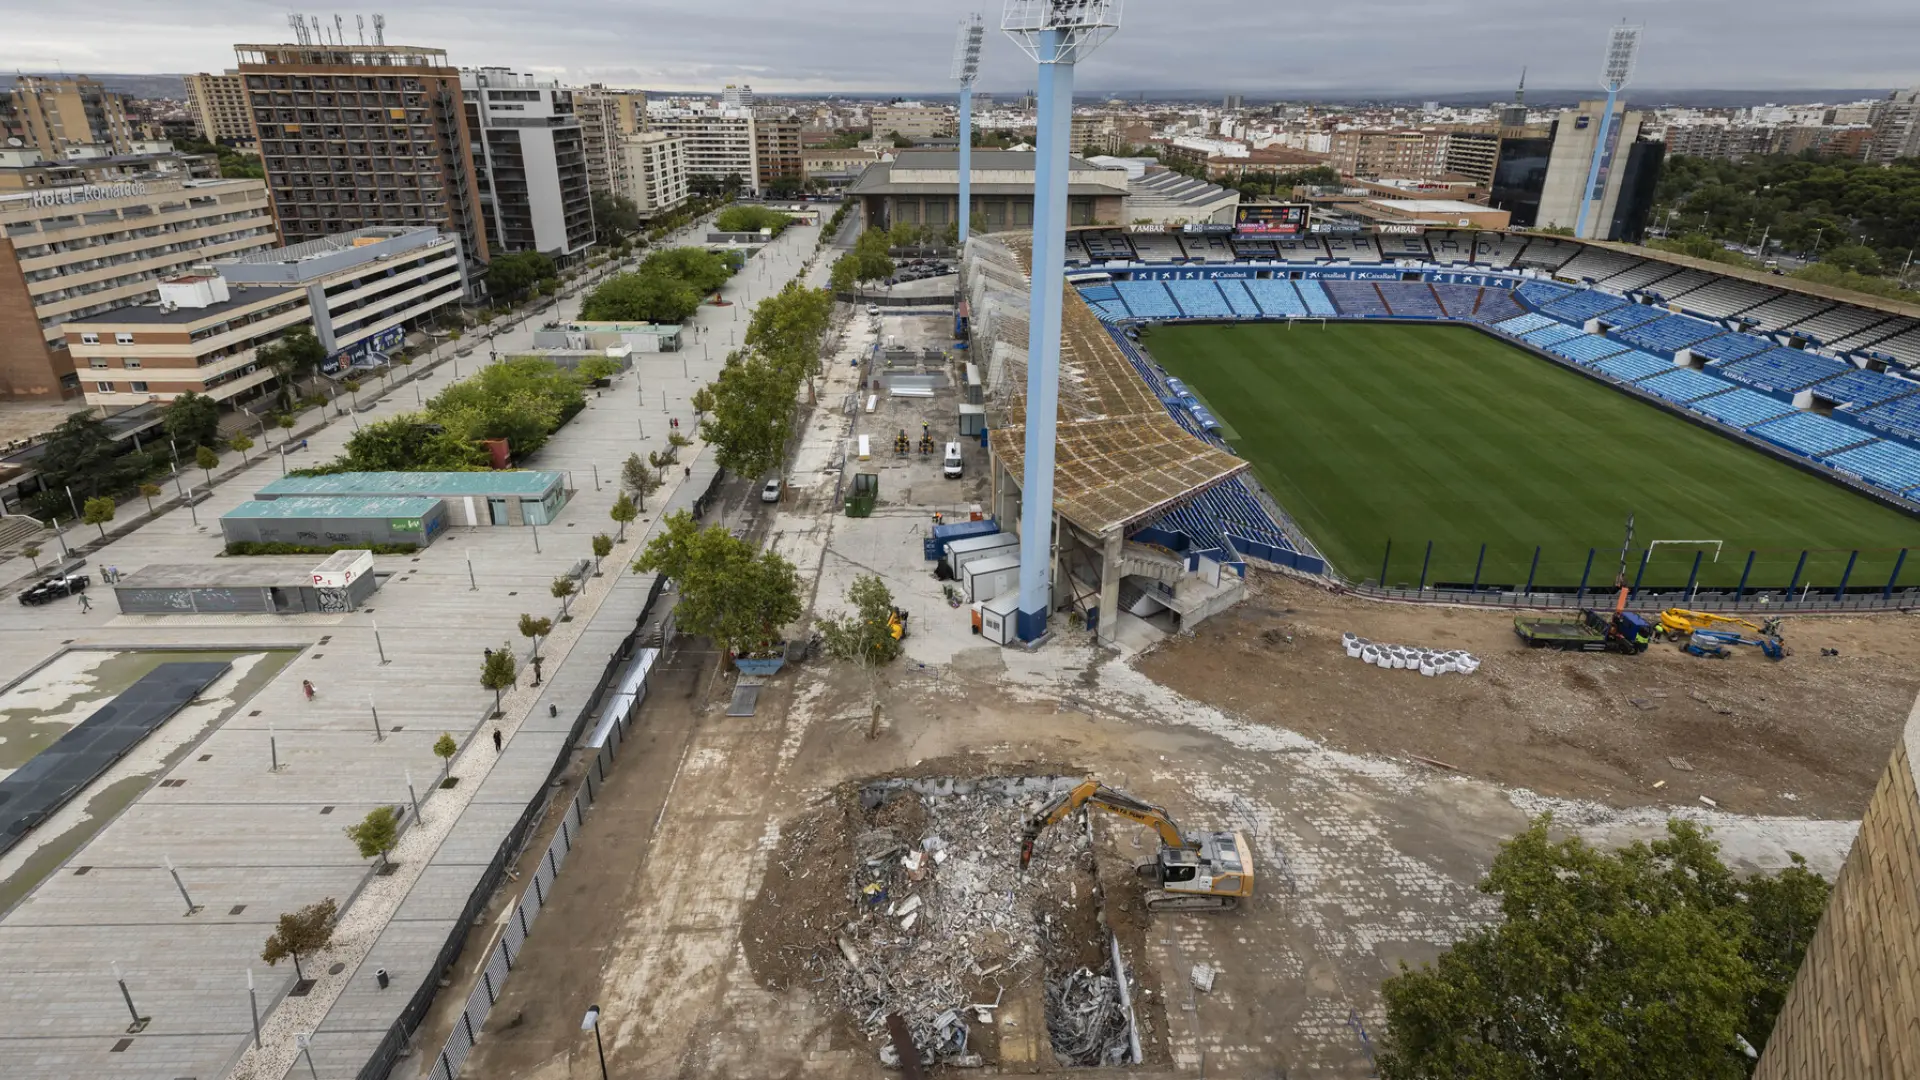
(1367, 434)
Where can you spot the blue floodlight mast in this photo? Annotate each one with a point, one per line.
(966, 67)
(1057, 34)
(1622, 48)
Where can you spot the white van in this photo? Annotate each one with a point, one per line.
(952, 468)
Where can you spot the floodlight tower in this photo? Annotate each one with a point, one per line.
(966, 67)
(1057, 34)
(1623, 47)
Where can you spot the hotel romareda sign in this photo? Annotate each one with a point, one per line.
(85, 193)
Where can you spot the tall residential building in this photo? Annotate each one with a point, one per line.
(1629, 169)
(737, 97)
(57, 114)
(607, 117)
(360, 135)
(656, 171)
(776, 152)
(531, 159)
(720, 143)
(913, 121)
(1896, 130)
(1398, 154)
(219, 104)
(72, 252)
(1723, 141)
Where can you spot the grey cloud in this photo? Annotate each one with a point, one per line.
(1250, 46)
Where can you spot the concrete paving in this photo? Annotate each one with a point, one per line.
(251, 842)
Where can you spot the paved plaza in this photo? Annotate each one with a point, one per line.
(251, 842)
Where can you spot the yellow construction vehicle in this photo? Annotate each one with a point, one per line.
(1680, 623)
(1198, 872)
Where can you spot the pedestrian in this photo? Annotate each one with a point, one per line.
(306, 687)
(689, 472)
(496, 740)
(86, 602)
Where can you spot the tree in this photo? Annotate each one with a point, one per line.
(242, 443)
(787, 328)
(535, 629)
(1651, 961)
(602, 547)
(291, 358)
(615, 217)
(728, 592)
(411, 441)
(498, 672)
(845, 273)
(285, 423)
(82, 454)
(375, 833)
(148, 490)
(303, 932)
(512, 274)
(594, 368)
(641, 297)
(863, 635)
(1853, 258)
(97, 511)
(747, 219)
(636, 477)
(207, 460)
(698, 267)
(677, 441)
(444, 748)
(624, 511)
(32, 552)
(191, 419)
(753, 404)
(904, 234)
(872, 261)
(352, 387)
(563, 590)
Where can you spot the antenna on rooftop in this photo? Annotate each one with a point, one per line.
(299, 24)
(339, 30)
(361, 22)
(313, 23)
(379, 29)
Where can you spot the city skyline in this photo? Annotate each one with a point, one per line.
(866, 46)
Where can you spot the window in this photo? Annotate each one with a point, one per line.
(123, 338)
(105, 387)
(130, 362)
(89, 339)
(98, 362)
(137, 387)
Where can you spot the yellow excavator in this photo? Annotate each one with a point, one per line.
(1192, 872)
(1680, 622)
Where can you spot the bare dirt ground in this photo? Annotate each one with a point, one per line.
(1807, 735)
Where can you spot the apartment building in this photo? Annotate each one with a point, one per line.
(776, 155)
(76, 251)
(27, 170)
(656, 171)
(218, 104)
(914, 121)
(360, 135)
(719, 143)
(56, 114)
(530, 156)
(1896, 128)
(604, 125)
(1402, 153)
(360, 292)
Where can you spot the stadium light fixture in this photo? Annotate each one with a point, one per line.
(966, 68)
(1623, 48)
(966, 49)
(1082, 24)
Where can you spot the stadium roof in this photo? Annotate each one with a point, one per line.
(1119, 457)
(1762, 277)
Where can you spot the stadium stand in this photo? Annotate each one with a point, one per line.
(1364, 250)
(1673, 288)
(1498, 250)
(1583, 305)
(1300, 249)
(1522, 325)
(1546, 253)
(1076, 251)
(1902, 347)
(1541, 293)
(1199, 299)
(1890, 465)
(1865, 339)
(1781, 369)
(1740, 407)
(1404, 247)
(1110, 310)
(1413, 298)
(1253, 248)
(1647, 272)
(1147, 299)
(1588, 348)
(1809, 433)
(1837, 322)
(1597, 264)
(1724, 298)
(1276, 298)
(1450, 248)
(1212, 249)
(1237, 298)
(1730, 347)
(1459, 301)
(1631, 365)
(1496, 305)
(1356, 298)
(1628, 315)
(1900, 416)
(1318, 303)
(1681, 385)
(1107, 245)
(1099, 292)
(1862, 388)
(1158, 248)
(1783, 310)
(1340, 249)
(1548, 336)
(1669, 335)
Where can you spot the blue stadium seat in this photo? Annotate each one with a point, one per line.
(1496, 306)
(1629, 366)
(1583, 305)
(1316, 298)
(1669, 335)
(1459, 300)
(1682, 385)
(1522, 325)
(1147, 299)
(1900, 416)
(1634, 315)
(1199, 299)
(1888, 464)
(1541, 293)
(1548, 336)
(1098, 292)
(1809, 433)
(1863, 388)
(1741, 408)
(1587, 348)
(1730, 347)
(1356, 297)
(1276, 298)
(1782, 369)
(1411, 298)
(1237, 298)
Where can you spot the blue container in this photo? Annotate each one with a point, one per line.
(767, 666)
(935, 545)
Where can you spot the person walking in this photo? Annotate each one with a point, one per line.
(86, 602)
(496, 740)
(306, 687)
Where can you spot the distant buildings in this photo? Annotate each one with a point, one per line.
(530, 159)
(1896, 128)
(1409, 152)
(730, 144)
(923, 187)
(656, 168)
(913, 121)
(60, 115)
(607, 117)
(218, 104)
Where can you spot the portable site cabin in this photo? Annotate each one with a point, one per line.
(967, 549)
(986, 578)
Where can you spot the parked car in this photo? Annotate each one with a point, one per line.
(53, 588)
(770, 492)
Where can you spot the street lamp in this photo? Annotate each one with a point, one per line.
(591, 1022)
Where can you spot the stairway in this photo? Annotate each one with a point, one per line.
(17, 529)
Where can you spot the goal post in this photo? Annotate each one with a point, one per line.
(1292, 319)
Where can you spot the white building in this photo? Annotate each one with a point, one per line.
(529, 155)
(656, 169)
(719, 142)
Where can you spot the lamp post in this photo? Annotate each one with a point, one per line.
(139, 1022)
(1056, 34)
(591, 1022)
(1623, 46)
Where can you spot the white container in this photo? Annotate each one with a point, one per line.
(986, 578)
(963, 551)
(999, 616)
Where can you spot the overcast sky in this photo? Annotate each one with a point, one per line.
(1249, 46)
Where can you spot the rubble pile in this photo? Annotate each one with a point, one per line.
(1084, 1019)
(945, 918)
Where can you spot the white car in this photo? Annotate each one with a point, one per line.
(771, 492)
(873, 309)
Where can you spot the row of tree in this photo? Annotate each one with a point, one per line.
(870, 260)
(748, 411)
(747, 217)
(1803, 204)
(667, 288)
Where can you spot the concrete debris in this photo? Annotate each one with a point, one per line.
(1428, 662)
(1680, 763)
(1202, 977)
(1085, 1020)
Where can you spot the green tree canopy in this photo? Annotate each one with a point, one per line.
(376, 833)
(753, 403)
(787, 327)
(292, 357)
(641, 297)
(1648, 962)
(748, 218)
(191, 419)
(1853, 258)
(411, 441)
(522, 399)
(698, 267)
(514, 273)
(1798, 203)
(81, 454)
(303, 932)
(615, 217)
(871, 261)
(863, 635)
(97, 511)
(727, 592)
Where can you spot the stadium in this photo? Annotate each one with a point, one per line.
(1490, 417)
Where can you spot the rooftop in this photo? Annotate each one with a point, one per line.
(373, 506)
(282, 571)
(239, 298)
(435, 484)
(1431, 206)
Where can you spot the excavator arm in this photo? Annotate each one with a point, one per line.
(1094, 793)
